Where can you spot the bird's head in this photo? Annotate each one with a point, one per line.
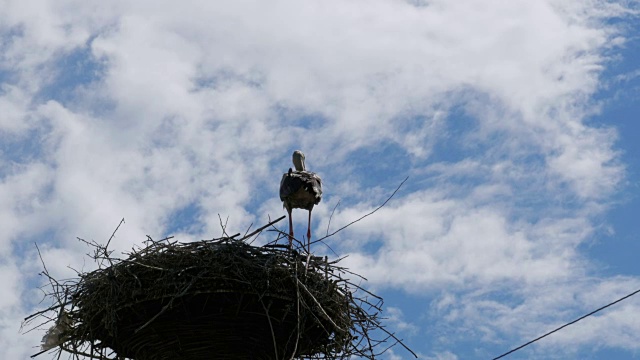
(298, 160)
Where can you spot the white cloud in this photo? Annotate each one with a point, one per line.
(430, 240)
(395, 320)
(201, 103)
(12, 106)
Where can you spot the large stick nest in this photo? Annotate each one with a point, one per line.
(219, 298)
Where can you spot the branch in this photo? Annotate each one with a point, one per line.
(263, 227)
(331, 216)
(114, 234)
(364, 216)
(319, 306)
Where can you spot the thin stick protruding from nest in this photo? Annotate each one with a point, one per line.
(365, 215)
(262, 228)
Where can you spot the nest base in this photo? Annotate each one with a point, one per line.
(222, 325)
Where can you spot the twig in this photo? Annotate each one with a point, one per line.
(145, 265)
(319, 306)
(364, 216)
(398, 340)
(224, 226)
(295, 347)
(263, 227)
(166, 307)
(249, 228)
(282, 234)
(113, 234)
(273, 334)
(331, 216)
(40, 256)
(39, 353)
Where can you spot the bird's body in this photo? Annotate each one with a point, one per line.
(300, 189)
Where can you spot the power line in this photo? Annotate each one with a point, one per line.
(565, 325)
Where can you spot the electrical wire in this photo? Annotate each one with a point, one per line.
(565, 325)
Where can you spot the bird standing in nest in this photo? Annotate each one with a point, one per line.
(300, 189)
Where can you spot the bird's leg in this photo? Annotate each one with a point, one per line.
(309, 234)
(290, 230)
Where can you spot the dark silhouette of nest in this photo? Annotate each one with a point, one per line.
(213, 299)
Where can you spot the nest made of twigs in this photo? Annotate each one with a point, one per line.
(220, 298)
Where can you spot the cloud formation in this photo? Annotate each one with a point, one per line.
(170, 115)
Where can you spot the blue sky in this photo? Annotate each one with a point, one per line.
(516, 123)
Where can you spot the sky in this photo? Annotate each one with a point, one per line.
(516, 123)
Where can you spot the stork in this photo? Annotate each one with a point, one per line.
(300, 189)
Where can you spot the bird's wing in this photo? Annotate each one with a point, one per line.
(317, 187)
(313, 184)
(290, 183)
